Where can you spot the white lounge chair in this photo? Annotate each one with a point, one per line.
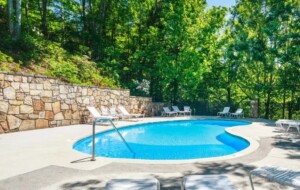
(104, 110)
(225, 112)
(126, 114)
(206, 182)
(168, 112)
(237, 113)
(133, 184)
(286, 124)
(187, 110)
(280, 175)
(96, 115)
(176, 109)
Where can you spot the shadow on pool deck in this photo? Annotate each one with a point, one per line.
(170, 176)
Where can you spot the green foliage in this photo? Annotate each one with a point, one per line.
(184, 51)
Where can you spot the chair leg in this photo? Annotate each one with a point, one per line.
(251, 182)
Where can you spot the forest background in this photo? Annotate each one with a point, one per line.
(182, 52)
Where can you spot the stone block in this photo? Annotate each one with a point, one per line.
(20, 96)
(1, 130)
(46, 99)
(79, 100)
(47, 85)
(46, 93)
(23, 116)
(63, 89)
(42, 115)
(84, 92)
(9, 78)
(74, 107)
(86, 101)
(90, 92)
(55, 93)
(58, 123)
(29, 79)
(4, 126)
(56, 107)
(26, 109)
(66, 122)
(24, 87)
(39, 86)
(28, 100)
(38, 105)
(15, 85)
(68, 101)
(9, 93)
(15, 102)
(3, 107)
(59, 116)
(48, 106)
(32, 86)
(49, 115)
(63, 96)
(35, 92)
(13, 122)
(4, 84)
(17, 78)
(42, 123)
(53, 123)
(74, 122)
(71, 95)
(27, 125)
(76, 115)
(14, 109)
(68, 114)
(24, 79)
(2, 76)
(33, 116)
(64, 106)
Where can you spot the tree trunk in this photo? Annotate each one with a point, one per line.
(11, 16)
(228, 96)
(14, 15)
(18, 19)
(283, 104)
(269, 91)
(44, 18)
(83, 14)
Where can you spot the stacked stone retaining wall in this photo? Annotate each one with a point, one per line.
(32, 102)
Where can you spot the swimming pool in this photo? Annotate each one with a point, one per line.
(171, 140)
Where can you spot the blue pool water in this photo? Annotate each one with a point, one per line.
(173, 140)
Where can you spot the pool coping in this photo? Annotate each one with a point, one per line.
(253, 144)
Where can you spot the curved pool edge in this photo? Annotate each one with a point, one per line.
(253, 144)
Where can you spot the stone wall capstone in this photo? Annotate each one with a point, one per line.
(34, 101)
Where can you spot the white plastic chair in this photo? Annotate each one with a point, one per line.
(237, 113)
(225, 112)
(176, 109)
(286, 124)
(206, 182)
(133, 184)
(187, 110)
(104, 110)
(125, 113)
(96, 115)
(168, 112)
(282, 176)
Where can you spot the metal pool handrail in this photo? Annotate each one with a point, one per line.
(115, 128)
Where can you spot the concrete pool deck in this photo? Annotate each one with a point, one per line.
(44, 159)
